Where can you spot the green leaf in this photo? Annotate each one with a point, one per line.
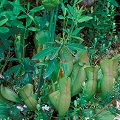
(2, 22)
(18, 6)
(60, 17)
(54, 98)
(51, 67)
(4, 29)
(43, 53)
(77, 30)
(75, 46)
(12, 59)
(71, 9)
(37, 9)
(65, 95)
(4, 107)
(10, 94)
(30, 16)
(17, 23)
(2, 3)
(33, 29)
(78, 38)
(104, 115)
(3, 101)
(29, 20)
(114, 2)
(84, 18)
(88, 112)
(29, 98)
(41, 37)
(27, 78)
(22, 16)
(16, 10)
(40, 64)
(18, 70)
(55, 53)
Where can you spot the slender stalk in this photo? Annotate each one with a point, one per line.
(55, 20)
(51, 26)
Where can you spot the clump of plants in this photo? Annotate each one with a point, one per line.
(55, 60)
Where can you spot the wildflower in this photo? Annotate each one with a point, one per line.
(45, 108)
(20, 108)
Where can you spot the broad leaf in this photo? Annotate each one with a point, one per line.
(4, 29)
(54, 98)
(37, 9)
(65, 95)
(66, 61)
(41, 37)
(43, 53)
(105, 115)
(2, 3)
(10, 94)
(75, 46)
(33, 29)
(2, 22)
(51, 67)
(29, 20)
(78, 38)
(114, 2)
(18, 6)
(29, 98)
(77, 30)
(84, 18)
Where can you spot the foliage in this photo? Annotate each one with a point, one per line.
(48, 54)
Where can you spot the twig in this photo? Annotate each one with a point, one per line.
(8, 56)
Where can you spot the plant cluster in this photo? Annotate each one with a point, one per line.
(51, 59)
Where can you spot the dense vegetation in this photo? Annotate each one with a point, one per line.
(59, 59)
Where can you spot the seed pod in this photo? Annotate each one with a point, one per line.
(19, 44)
(107, 83)
(91, 84)
(78, 77)
(67, 61)
(50, 3)
(87, 3)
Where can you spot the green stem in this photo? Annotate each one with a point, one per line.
(51, 26)
(55, 20)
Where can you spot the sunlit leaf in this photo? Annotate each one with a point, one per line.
(2, 22)
(29, 98)
(75, 46)
(18, 6)
(36, 9)
(10, 94)
(84, 19)
(44, 53)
